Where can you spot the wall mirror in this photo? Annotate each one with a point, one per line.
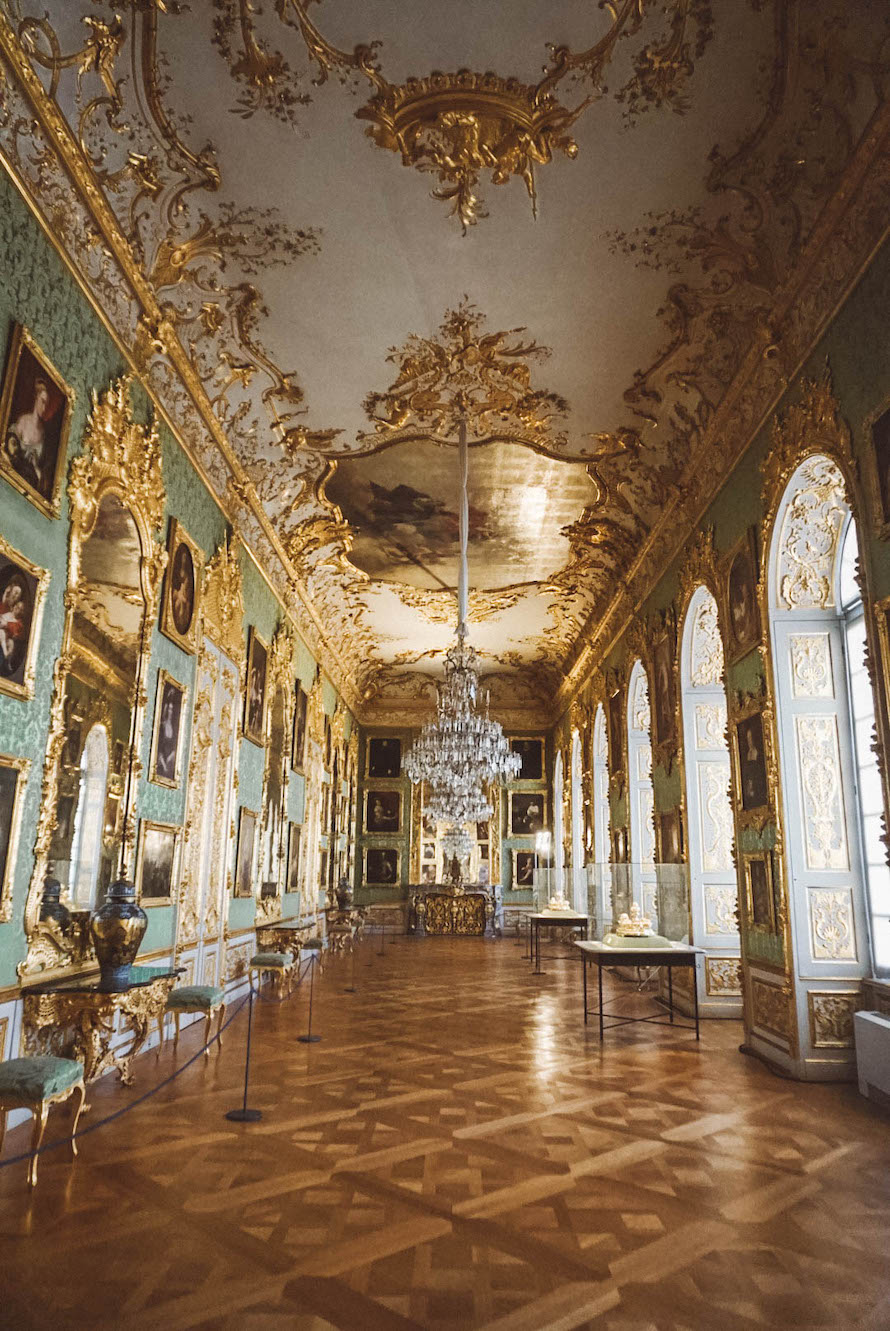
(85, 833)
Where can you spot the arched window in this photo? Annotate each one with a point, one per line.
(837, 878)
(602, 841)
(89, 821)
(579, 890)
(713, 887)
(642, 806)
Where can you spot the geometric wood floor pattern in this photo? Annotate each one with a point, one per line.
(458, 1152)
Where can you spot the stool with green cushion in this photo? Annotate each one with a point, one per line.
(280, 965)
(315, 944)
(35, 1084)
(204, 998)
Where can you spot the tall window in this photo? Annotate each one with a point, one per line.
(602, 842)
(89, 820)
(862, 707)
(713, 889)
(642, 805)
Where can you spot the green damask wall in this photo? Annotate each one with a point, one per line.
(857, 350)
(36, 290)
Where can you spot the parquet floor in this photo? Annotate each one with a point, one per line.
(458, 1152)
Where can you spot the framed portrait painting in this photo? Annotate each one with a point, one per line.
(664, 690)
(22, 590)
(13, 775)
(880, 439)
(428, 851)
(759, 891)
(255, 692)
(528, 812)
(182, 589)
(35, 407)
(742, 614)
(156, 863)
(616, 732)
(384, 757)
(381, 866)
(169, 711)
(247, 821)
(531, 754)
(428, 873)
(293, 857)
(298, 742)
(523, 870)
(383, 810)
(753, 779)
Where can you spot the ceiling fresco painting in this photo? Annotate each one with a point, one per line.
(327, 230)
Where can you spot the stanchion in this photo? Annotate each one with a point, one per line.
(245, 1115)
(350, 988)
(382, 939)
(309, 1038)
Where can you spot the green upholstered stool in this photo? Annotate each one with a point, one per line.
(280, 965)
(35, 1084)
(204, 998)
(315, 944)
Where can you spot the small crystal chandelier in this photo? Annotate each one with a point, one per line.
(462, 752)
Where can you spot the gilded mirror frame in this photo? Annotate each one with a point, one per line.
(120, 458)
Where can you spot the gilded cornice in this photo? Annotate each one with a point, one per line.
(99, 254)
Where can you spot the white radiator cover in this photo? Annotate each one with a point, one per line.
(872, 1034)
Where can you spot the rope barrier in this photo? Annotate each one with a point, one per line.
(147, 1095)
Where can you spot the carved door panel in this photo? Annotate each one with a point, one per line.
(824, 852)
(207, 851)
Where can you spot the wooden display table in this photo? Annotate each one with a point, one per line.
(76, 1019)
(551, 919)
(602, 954)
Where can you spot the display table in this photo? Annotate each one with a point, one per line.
(343, 927)
(75, 1019)
(285, 937)
(635, 952)
(552, 919)
(443, 910)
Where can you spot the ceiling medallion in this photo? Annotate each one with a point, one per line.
(460, 125)
(466, 375)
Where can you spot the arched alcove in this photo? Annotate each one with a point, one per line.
(602, 838)
(640, 794)
(578, 896)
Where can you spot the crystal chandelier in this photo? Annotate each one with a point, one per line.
(462, 752)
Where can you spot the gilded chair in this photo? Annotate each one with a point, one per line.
(35, 1084)
(280, 965)
(204, 998)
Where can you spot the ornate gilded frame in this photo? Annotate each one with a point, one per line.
(256, 737)
(871, 477)
(171, 783)
(733, 648)
(244, 814)
(22, 766)
(747, 706)
(541, 793)
(280, 674)
(174, 830)
(20, 340)
(369, 882)
(515, 885)
(177, 536)
(41, 576)
(764, 857)
(388, 831)
(120, 457)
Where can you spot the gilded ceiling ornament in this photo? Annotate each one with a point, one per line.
(440, 607)
(460, 125)
(466, 372)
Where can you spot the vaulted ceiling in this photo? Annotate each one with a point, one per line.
(622, 190)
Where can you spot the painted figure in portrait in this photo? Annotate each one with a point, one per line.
(293, 858)
(428, 873)
(9, 786)
(381, 866)
(179, 607)
(156, 862)
(752, 762)
(247, 822)
(482, 831)
(383, 810)
(298, 747)
(168, 725)
(428, 851)
(523, 868)
(664, 700)
(34, 425)
(741, 598)
(526, 813)
(384, 756)
(18, 593)
(255, 700)
(531, 752)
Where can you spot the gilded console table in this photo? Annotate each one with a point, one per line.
(75, 1019)
(286, 937)
(440, 910)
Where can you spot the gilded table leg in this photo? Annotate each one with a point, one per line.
(208, 1023)
(40, 1117)
(81, 1091)
(220, 1024)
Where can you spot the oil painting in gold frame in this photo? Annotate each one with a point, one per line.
(22, 593)
(35, 411)
(181, 595)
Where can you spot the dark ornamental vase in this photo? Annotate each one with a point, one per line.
(344, 894)
(117, 928)
(51, 907)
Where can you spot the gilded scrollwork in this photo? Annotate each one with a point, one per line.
(831, 1017)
